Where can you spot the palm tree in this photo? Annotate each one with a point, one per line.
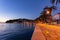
(50, 8)
(44, 14)
(55, 1)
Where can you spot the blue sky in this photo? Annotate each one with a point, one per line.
(29, 9)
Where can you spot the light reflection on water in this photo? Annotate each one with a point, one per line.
(2, 27)
(16, 31)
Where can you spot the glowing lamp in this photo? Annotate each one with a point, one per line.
(48, 12)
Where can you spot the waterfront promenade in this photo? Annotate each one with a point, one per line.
(46, 32)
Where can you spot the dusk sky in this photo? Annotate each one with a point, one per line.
(29, 9)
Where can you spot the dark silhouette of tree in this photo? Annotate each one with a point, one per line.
(55, 1)
(44, 15)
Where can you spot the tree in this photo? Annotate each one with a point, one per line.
(55, 1)
(45, 14)
(47, 11)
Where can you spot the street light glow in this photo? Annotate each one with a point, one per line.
(48, 12)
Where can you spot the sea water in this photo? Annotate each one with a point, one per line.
(18, 31)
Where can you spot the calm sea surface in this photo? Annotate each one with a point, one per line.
(16, 31)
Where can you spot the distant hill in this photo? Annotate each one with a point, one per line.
(19, 20)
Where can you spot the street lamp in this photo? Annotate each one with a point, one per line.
(47, 11)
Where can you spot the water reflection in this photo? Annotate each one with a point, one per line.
(2, 27)
(16, 31)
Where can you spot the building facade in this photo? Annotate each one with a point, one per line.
(56, 18)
